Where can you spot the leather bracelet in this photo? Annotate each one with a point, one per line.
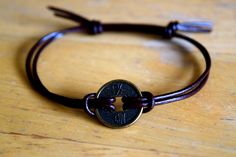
(135, 103)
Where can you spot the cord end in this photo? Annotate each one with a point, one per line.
(52, 8)
(195, 26)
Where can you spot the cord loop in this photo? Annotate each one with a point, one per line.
(149, 103)
(87, 106)
(91, 102)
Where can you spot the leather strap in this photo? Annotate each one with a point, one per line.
(148, 101)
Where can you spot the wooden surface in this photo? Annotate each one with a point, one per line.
(203, 125)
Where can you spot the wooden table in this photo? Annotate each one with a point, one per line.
(203, 125)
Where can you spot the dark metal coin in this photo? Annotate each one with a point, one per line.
(114, 119)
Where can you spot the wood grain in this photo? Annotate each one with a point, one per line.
(203, 125)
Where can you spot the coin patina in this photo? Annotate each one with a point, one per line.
(118, 119)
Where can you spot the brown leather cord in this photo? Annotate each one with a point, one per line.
(148, 101)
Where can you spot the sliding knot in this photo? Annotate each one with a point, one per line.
(94, 27)
(170, 30)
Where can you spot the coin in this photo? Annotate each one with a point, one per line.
(118, 119)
